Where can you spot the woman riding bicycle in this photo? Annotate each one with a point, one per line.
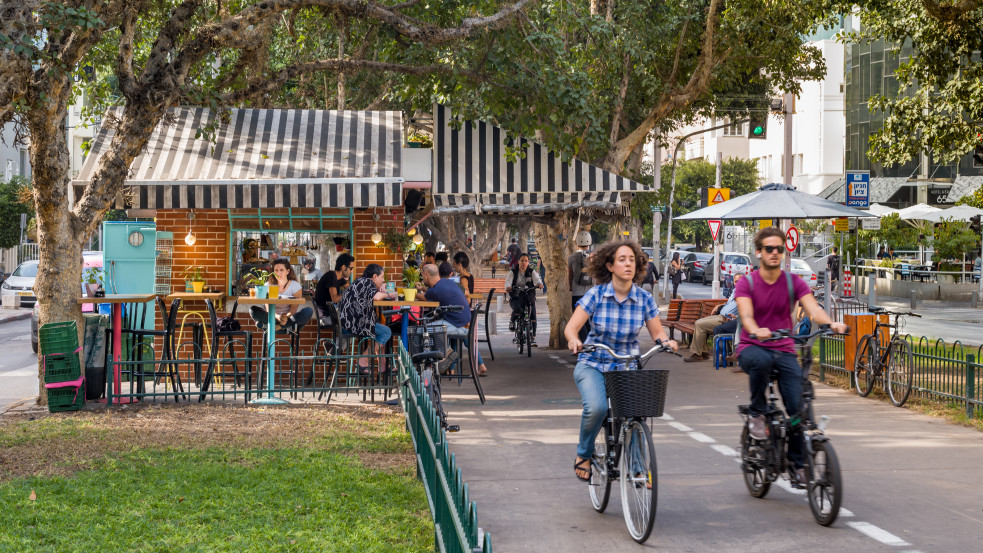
(617, 308)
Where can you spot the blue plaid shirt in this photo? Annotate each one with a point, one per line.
(615, 323)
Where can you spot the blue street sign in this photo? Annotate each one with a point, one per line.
(858, 188)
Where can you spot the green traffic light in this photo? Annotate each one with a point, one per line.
(758, 131)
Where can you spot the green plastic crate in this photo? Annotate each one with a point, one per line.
(66, 399)
(58, 338)
(59, 368)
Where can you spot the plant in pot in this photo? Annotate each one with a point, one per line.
(411, 276)
(397, 241)
(92, 277)
(259, 279)
(195, 274)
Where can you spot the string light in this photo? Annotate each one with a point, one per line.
(418, 239)
(190, 239)
(376, 238)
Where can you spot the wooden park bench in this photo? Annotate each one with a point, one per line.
(483, 285)
(691, 311)
(672, 313)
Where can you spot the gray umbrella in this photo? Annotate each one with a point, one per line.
(774, 201)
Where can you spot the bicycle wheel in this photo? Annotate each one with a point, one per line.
(520, 334)
(865, 365)
(900, 372)
(529, 338)
(600, 485)
(825, 489)
(754, 465)
(638, 471)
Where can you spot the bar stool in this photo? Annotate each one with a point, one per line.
(487, 338)
(232, 337)
(723, 344)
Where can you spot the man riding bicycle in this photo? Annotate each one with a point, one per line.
(519, 278)
(617, 308)
(765, 301)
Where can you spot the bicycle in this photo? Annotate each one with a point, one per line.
(426, 345)
(893, 363)
(525, 327)
(624, 451)
(763, 461)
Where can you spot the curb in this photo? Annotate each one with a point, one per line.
(17, 317)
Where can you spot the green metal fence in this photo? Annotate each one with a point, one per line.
(949, 374)
(455, 516)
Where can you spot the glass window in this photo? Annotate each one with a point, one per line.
(26, 269)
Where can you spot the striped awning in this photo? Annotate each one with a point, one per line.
(471, 171)
(263, 158)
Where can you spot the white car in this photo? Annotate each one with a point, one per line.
(732, 263)
(21, 283)
(802, 269)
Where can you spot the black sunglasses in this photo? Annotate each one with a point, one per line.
(773, 249)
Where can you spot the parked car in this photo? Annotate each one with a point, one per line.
(35, 317)
(802, 269)
(21, 282)
(694, 265)
(732, 263)
(90, 259)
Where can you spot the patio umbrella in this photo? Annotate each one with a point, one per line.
(774, 201)
(956, 213)
(881, 210)
(917, 212)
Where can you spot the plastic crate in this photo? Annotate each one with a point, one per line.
(55, 338)
(59, 368)
(414, 335)
(637, 393)
(66, 399)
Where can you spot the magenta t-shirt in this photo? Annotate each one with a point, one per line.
(771, 308)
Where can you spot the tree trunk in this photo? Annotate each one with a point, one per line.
(553, 253)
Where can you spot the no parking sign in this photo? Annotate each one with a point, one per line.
(791, 238)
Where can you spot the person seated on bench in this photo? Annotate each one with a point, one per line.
(703, 327)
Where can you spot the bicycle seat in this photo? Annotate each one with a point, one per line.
(428, 356)
(875, 309)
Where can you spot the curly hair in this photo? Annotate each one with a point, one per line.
(605, 254)
(765, 233)
(291, 275)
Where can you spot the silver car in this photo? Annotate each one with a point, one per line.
(21, 283)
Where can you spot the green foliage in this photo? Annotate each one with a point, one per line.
(975, 199)
(11, 207)
(897, 233)
(397, 241)
(952, 240)
(411, 275)
(195, 273)
(92, 275)
(938, 107)
(258, 277)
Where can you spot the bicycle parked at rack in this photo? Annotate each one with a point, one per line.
(763, 461)
(426, 345)
(525, 327)
(894, 363)
(624, 451)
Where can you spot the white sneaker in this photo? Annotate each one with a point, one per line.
(446, 363)
(756, 427)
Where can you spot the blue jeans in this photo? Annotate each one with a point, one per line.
(590, 382)
(382, 334)
(460, 334)
(757, 362)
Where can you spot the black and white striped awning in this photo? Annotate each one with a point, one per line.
(472, 172)
(263, 158)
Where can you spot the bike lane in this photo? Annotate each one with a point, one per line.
(911, 482)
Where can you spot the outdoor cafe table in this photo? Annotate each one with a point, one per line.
(191, 296)
(393, 304)
(117, 301)
(270, 304)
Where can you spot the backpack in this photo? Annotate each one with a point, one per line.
(791, 303)
(583, 279)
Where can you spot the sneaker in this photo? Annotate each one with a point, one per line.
(799, 478)
(445, 365)
(756, 427)
(696, 357)
(512, 325)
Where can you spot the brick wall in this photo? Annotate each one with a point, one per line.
(211, 228)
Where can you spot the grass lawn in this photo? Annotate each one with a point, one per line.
(212, 478)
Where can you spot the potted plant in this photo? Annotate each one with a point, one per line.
(411, 275)
(260, 280)
(397, 241)
(196, 275)
(92, 277)
(419, 140)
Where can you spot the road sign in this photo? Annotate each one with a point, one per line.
(858, 188)
(717, 195)
(764, 223)
(791, 238)
(658, 209)
(715, 228)
(870, 223)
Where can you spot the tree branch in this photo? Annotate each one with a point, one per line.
(124, 61)
(950, 12)
(620, 104)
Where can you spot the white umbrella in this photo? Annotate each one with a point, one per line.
(880, 210)
(957, 213)
(917, 211)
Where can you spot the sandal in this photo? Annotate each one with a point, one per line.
(582, 465)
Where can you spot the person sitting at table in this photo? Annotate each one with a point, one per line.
(428, 258)
(287, 315)
(440, 257)
(332, 285)
(446, 292)
(881, 254)
(463, 267)
(311, 273)
(358, 314)
(890, 253)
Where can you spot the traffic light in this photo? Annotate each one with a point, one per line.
(974, 223)
(758, 126)
(702, 193)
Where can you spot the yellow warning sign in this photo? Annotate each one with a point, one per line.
(842, 224)
(717, 195)
(764, 223)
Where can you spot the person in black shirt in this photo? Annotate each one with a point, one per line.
(333, 283)
(463, 267)
(440, 257)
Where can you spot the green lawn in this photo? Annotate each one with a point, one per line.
(219, 479)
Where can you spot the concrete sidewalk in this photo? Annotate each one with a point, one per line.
(11, 315)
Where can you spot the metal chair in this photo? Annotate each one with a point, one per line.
(487, 338)
(165, 367)
(232, 337)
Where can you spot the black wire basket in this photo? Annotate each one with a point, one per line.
(414, 335)
(637, 393)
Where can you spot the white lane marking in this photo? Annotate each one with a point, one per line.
(666, 417)
(30, 370)
(701, 437)
(843, 512)
(680, 426)
(725, 450)
(877, 533)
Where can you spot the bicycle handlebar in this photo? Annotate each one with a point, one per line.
(659, 347)
(880, 310)
(800, 338)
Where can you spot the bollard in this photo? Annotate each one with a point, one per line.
(914, 299)
(970, 385)
(498, 302)
(872, 290)
(974, 300)
(493, 323)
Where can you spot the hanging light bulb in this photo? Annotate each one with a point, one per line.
(190, 239)
(376, 238)
(418, 239)
(411, 232)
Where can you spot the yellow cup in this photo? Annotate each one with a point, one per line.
(274, 291)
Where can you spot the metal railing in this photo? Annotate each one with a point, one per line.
(948, 374)
(455, 516)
